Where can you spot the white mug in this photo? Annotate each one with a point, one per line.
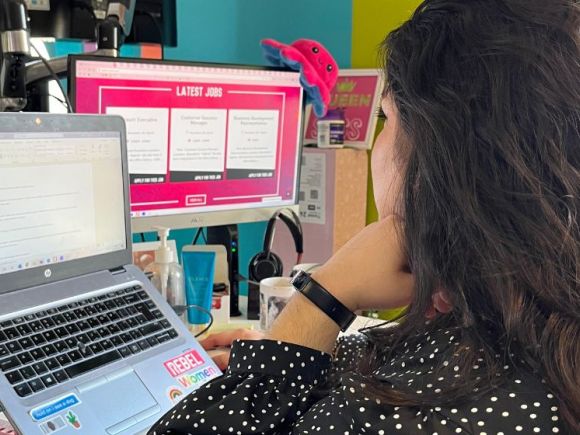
(274, 295)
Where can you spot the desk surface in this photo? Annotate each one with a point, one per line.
(243, 322)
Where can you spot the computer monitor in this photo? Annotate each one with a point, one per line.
(207, 144)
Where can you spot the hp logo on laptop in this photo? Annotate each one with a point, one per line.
(47, 273)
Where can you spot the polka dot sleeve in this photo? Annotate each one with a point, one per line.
(348, 352)
(279, 388)
(268, 385)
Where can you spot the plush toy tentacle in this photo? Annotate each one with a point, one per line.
(272, 55)
(318, 69)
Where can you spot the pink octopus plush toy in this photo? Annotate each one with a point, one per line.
(318, 69)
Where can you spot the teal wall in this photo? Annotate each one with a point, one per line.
(229, 31)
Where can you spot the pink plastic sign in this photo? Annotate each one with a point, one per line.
(357, 92)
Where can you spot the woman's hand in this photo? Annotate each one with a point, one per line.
(221, 344)
(370, 271)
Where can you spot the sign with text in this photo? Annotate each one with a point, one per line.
(183, 363)
(357, 91)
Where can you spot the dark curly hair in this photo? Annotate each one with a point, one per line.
(488, 93)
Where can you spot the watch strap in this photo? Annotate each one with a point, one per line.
(325, 301)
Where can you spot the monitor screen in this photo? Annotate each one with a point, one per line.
(61, 198)
(207, 144)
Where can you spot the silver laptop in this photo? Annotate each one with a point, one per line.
(86, 343)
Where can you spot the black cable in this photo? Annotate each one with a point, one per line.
(197, 234)
(159, 30)
(208, 325)
(386, 322)
(143, 237)
(55, 77)
(241, 277)
(180, 309)
(60, 100)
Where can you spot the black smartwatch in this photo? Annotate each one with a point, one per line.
(320, 297)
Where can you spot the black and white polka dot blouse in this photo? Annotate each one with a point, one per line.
(279, 388)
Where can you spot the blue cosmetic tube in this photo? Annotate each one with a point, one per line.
(198, 269)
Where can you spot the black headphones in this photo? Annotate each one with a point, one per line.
(267, 264)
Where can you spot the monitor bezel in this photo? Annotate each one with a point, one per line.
(192, 219)
(61, 123)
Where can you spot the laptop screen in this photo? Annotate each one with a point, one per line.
(61, 198)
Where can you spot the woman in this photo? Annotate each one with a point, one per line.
(480, 159)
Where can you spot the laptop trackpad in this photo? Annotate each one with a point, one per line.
(117, 397)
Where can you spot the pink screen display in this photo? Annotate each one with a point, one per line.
(200, 138)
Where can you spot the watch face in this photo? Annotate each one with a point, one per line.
(299, 280)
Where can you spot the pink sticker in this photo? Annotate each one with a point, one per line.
(183, 363)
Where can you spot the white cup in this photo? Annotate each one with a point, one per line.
(274, 295)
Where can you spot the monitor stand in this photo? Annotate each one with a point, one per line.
(227, 235)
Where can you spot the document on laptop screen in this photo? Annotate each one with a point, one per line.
(61, 198)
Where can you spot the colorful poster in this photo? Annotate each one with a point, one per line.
(357, 92)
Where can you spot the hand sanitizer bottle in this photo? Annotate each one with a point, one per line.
(167, 274)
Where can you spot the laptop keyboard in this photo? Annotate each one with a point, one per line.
(40, 350)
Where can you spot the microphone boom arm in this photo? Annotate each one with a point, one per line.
(18, 70)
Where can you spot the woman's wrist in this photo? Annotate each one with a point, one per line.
(337, 285)
(303, 323)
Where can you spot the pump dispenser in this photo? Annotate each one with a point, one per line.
(166, 273)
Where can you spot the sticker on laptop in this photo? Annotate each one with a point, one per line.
(174, 394)
(49, 409)
(198, 378)
(73, 420)
(184, 363)
(52, 426)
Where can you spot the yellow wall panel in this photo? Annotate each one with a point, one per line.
(372, 21)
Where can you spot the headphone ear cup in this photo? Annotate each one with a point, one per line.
(265, 265)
